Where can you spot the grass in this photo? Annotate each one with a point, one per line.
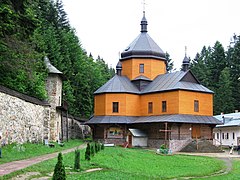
(233, 175)
(120, 163)
(15, 152)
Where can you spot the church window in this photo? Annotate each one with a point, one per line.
(150, 107)
(164, 106)
(196, 106)
(217, 135)
(233, 135)
(141, 68)
(115, 107)
(222, 135)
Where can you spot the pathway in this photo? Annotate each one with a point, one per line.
(10, 167)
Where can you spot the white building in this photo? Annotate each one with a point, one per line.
(228, 133)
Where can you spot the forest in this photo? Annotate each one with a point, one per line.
(32, 29)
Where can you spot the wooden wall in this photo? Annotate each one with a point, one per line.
(152, 68)
(178, 102)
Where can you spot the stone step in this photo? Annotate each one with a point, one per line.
(203, 146)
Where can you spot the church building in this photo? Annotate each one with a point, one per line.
(144, 105)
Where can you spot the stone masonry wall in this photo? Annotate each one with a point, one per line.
(22, 118)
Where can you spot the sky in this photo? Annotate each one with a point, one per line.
(107, 27)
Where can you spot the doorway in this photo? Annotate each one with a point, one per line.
(196, 131)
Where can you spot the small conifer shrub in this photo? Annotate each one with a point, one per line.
(59, 170)
(102, 146)
(77, 160)
(93, 150)
(87, 152)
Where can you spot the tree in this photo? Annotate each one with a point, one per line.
(87, 153)
(169, 63)
(77, 159)
(223, 101)
(93, 150)
(233, 57)
(59, 170)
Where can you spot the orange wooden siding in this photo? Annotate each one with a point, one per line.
(178, 102)
(152, 68)
(170, 97)
(129, 104)
(186, 103)
(100, 104)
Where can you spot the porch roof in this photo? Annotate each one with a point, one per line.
(174, 118)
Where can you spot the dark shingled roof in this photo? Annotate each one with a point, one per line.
(50, 67)
(175, 81)
(141, 77)
(174, 118)
(143, 46)
(166, 82)
(118, 84)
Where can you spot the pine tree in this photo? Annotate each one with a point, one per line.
(59, 170)
(87, 152)
(169, 63)
(102, 146)
(77, 159)
(223, 100)
(93, 150)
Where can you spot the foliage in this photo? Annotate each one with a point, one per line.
(169, 63)
(219, 70)
(93, 150)
(77, 159)
(87, 152)
(102, 146)
(30, 30)
(59, 170)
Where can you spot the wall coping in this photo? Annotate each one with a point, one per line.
(23, 96)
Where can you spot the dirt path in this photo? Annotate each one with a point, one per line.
(10, 167)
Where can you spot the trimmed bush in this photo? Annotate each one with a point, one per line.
(102, 146)
(77, 160)
(87, 152)
(59, 170)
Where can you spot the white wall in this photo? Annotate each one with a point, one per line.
(139, 141)
(225, 141)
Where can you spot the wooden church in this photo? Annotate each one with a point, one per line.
(143, 105)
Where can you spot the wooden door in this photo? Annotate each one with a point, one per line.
(196, 131)
(129, 140)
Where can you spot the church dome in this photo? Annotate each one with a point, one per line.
(143, 46)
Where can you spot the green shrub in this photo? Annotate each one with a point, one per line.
(93, 150)
(77, 160)
(102, 146)
(59, 170)
(87, 152)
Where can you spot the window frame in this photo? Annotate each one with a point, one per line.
(196, 105)
(141, 68)
(150, 107)
(115, 107)
(164, 106)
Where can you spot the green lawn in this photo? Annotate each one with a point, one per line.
(233, 175)
(14, 152)
(120, 163)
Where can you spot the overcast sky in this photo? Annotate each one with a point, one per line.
(107, 27)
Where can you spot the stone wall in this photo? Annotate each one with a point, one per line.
(22, 118)
(74, 128)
